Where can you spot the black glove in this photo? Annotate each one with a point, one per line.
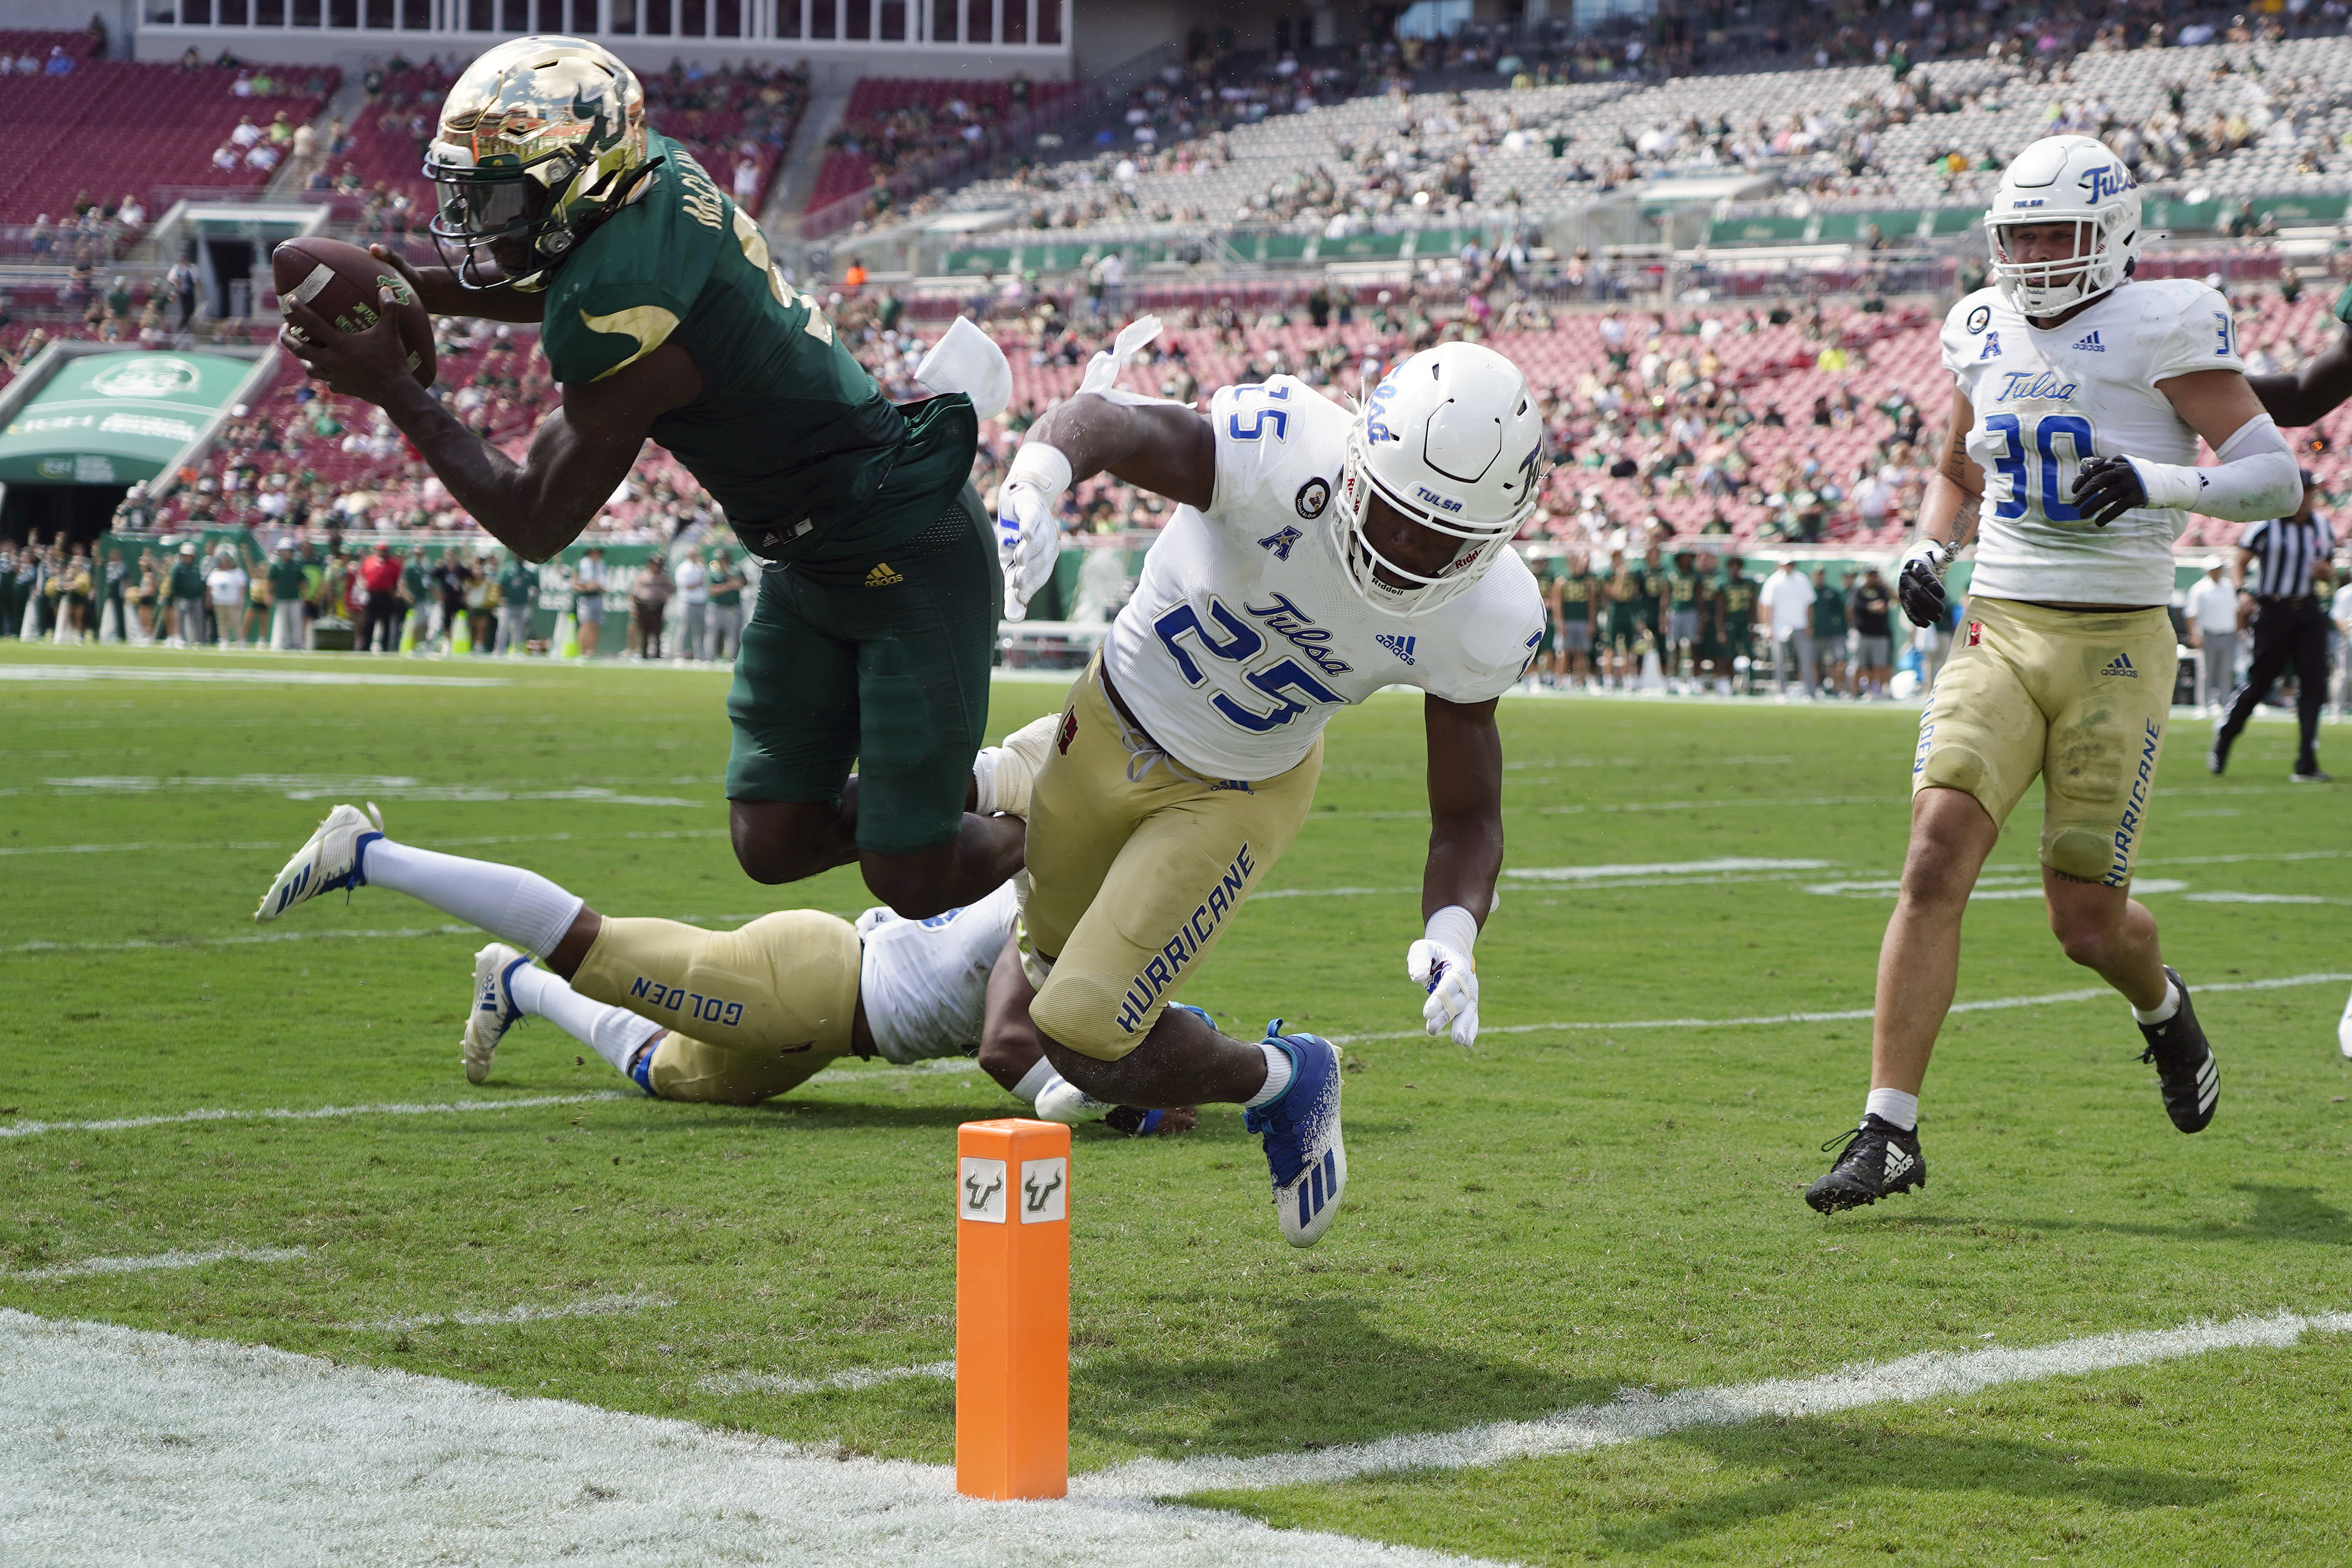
(1920, 587)
(2107, 488)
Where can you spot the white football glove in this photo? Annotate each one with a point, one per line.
(1440, 964)
(1028, 535)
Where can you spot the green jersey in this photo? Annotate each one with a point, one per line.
(415, 582)
(726, 585)
(187, 581)
(1682, 590)
(789, 435)
(1630, 599)
(1738, 596)
(1577, 591)
(288, 581)
(1829, 613)
(517, 584)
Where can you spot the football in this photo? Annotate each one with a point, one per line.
(342, 282)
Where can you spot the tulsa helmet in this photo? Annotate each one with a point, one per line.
(2065, 179)
(540, 140)
(1451, 439)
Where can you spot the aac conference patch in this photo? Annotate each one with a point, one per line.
(1979, 319)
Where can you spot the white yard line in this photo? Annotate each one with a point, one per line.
(2219, 897)
(320, 1113)
(196, 1451)
(1847, 1015)
(242, 939)
(47, 672)
(1637, 1415)
(140, 1265)
(526, 1313)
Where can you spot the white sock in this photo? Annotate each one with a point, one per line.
(612, 1033)
(1035, 1082)
(510, 903)
(1278, 1071)
(2164, 1010)
(2344, 1029)
(1893, 1105)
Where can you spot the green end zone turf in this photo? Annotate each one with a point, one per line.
(1537, 1224)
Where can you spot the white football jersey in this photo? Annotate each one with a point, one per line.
(1243, 637)
(924, 981)
(2046, 401)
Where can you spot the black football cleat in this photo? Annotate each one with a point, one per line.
(1880, 1160)
(2184, 1064)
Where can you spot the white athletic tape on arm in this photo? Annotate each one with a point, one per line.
(2256, 479)
(1043, 464)
(1455, 928)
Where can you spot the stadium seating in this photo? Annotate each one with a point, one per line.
(110, 127)
(720, 117)
(892, 121)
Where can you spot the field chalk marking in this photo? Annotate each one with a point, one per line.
(317, 1113)
(140, 1265)
(47, 672)
(856, 1377)
(170, 1450)
(1638, 1414)
(526, 1313)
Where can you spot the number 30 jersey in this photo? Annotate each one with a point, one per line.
(1245, 637)
(2047, 401)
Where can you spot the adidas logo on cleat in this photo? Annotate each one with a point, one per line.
(883, 577)
(1317, 1188)
(2091, 344)
(1898, 1164)
(2121, 665)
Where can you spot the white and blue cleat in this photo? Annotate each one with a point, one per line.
(329, 861)
(493, 1010)
(1301, 1132)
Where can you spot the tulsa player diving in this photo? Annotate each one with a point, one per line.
(2082, 394)
(728, 1018)
(1313, 559)
(663, 317)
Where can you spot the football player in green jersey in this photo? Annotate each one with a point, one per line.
(663, 317)
(1683, 592)
(1628, 590)
(1735, 599)
(1576, 594)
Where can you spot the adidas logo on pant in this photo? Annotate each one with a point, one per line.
(2121, 665)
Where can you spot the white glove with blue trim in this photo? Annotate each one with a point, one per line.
(1441, 964)
(1028, 534)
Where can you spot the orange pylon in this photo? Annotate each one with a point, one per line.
(1013, 1309)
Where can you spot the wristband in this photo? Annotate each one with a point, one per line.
(1455, 927)
(1043, 464)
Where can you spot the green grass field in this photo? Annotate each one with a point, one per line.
(1559, 1215)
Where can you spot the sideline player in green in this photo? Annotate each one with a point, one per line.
(663, 317)
(1627, 590)
(1685, 593)
(1575, 593)
(1735, 597)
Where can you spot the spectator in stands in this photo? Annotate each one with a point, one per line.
(228, 588)
(1788, 602)
(289, 590)
(131, 214)
(246, 134)
(60, 64)
(517, 593)
(649, 602)
(225, 159)
(261, 156)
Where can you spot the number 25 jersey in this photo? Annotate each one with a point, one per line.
(2048, 401)
(1243, 637)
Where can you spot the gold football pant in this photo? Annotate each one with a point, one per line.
(2079, 697)
(1137, 867)
(751, 1012)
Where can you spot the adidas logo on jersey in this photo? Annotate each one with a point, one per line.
(2121, 665)
(1401, 646)
(883, 577)
(2091, 345)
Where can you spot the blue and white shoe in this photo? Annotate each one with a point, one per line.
(1301, 1131)
(329, 861)
(493, 1011)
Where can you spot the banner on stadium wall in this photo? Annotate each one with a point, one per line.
(117, 419)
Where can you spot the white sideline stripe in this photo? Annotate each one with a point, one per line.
(1637, 1415)
(856, 1377)
(2263, 898)
(317, 1113)
(282, 844)
(1662, 868)
(175, 1450)
(162, 1260)
(526, 1313)
(1847, 1015)
(1985, 890)
(237, 677)
(244, 939)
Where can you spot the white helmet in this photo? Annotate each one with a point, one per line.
(2062, 179)
(1450, 439)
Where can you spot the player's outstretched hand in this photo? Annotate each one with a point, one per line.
(1028, 542)
(1453, 987)
(2108, 487)
(365, 364)
(1920, 585)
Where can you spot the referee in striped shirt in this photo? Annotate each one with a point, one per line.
(2290, 628)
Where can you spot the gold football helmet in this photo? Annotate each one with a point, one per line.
(541, 140)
